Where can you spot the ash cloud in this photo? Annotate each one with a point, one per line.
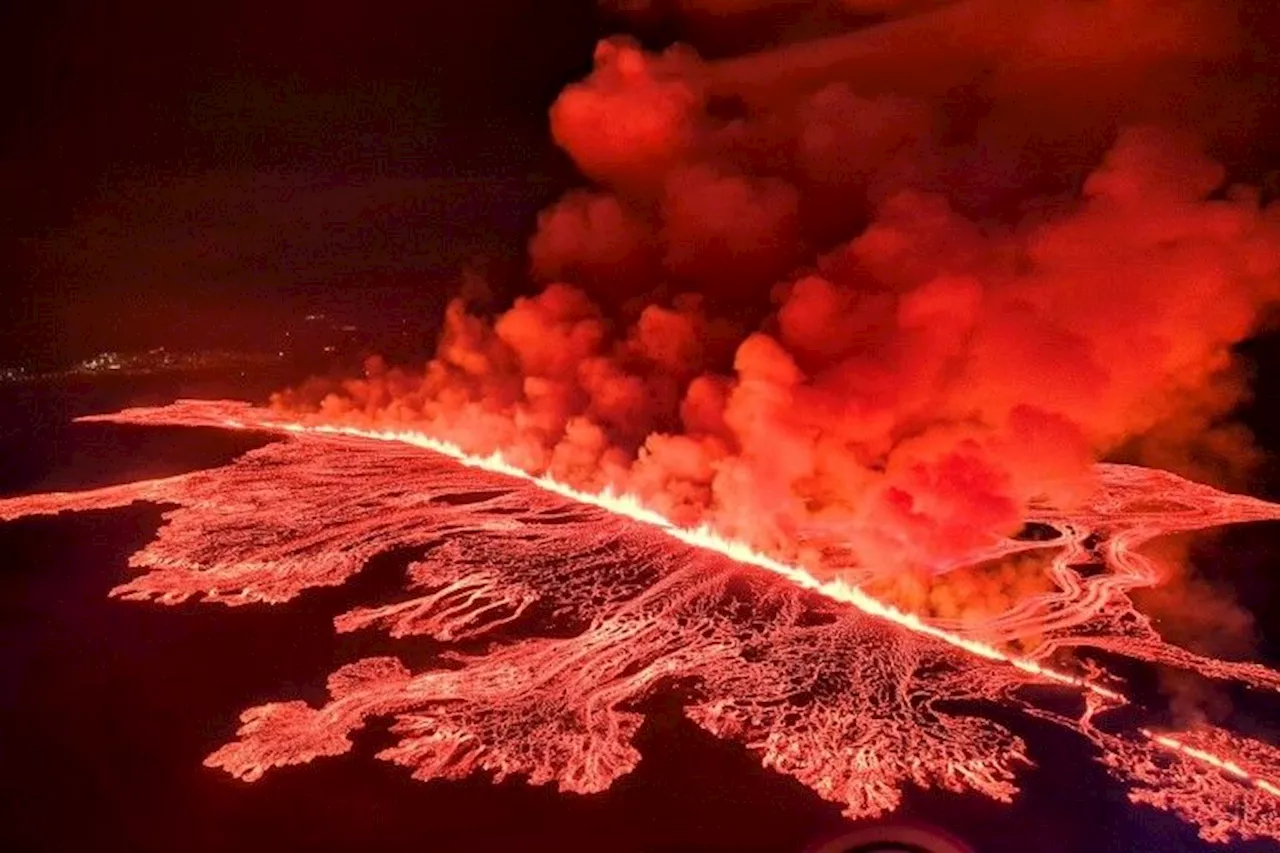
(886, 287)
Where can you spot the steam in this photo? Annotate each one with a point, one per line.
(883, 290)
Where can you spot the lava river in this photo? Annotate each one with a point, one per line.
(570, 609)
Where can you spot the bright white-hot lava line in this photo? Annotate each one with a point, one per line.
(706, 538)
(582, 603)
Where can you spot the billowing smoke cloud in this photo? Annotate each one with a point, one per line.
(881, 290)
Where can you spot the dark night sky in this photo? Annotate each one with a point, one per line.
(172, 168)
(201, 174)
(107, 86)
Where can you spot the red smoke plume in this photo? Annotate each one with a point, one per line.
(883, 289)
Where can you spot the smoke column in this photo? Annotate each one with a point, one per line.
(860, 300)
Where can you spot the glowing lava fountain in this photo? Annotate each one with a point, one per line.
(570, 608)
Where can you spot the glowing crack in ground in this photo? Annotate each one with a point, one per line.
(573, 608)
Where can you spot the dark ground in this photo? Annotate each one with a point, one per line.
(107, 707)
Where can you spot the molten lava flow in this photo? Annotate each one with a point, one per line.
(572, 607)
